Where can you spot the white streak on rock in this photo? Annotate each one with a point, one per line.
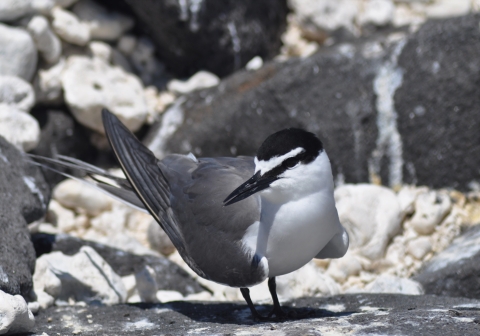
(30, 183)
(389, 79)
(232, 29)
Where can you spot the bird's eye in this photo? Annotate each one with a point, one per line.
(290, 163)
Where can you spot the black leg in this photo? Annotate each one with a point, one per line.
(246, 296)
(277, 309)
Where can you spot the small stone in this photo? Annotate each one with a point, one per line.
(11, 10)
(92, 84)
(19, 128)
(146, 284)
(201, 80)
(100, 50)
(158, 239)
(341, 269)
(126, 44)
(60, 217)
(448, 8)
(45, 7)
(76, 195)
(15, 317)
(430, 209)
(18, 56)
(392, 284)
(103, 25)
(254, 64)
(48, 85)
(69, 27)
(45, 40)
(16, 92)
(419, 247)
(377, 12)
(168, 296)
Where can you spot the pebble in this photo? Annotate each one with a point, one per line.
(47, 43)
(48, 84)
(419, 247)
(19, 128)
(254, 64)
(69, 27)
(18, 56)
(15, 317)
(16, 92)
(11, 10)
(431, 208)
(201, 80)
(377, 12)
(104, 25)
(81, 197)
(90, 84)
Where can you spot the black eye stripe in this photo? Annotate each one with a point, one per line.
(289, 163)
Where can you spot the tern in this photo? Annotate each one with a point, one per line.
(235, 221)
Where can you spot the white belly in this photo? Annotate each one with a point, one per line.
(291, 234)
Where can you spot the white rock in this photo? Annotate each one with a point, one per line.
(60, 217)
(86, 277)
(392, 284)
(16, 92)
(168, 296)
(130, 285)
(11, 10)
(430, 209)
(306, 281)
(126, 44)
(47, 43)
(45, 280)
(119, 240)
(19, 128)
(371, 215)
(405, 15)
(327, 15)
(158, 239)
(101, 50)
(200, 80)
(18, 55)
(34, 307)
(419, 247)
(69, 27)
(48, 84)
(255, 63)
(147, 284)
(44, 300)
(15, 317)
(448, 8)
(341, 269)
(407, 196)
(92, 84)
(112, 220)
(103, 25)
(73, 194)
(377, 12)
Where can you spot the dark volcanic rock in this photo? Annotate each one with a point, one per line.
(400, 107)
(439, 103)
(218, 36)
(456, 270)
(169, 275)
(61, 135)
(362, 314)
(24, 196)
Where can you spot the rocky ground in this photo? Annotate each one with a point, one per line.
(391, 87)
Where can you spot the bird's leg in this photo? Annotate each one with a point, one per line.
(277, 310)
(246, 296)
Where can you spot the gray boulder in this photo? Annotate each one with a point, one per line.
(24, 197)
(456, 270)
(392, 108)
(218, 36)
(360, 314)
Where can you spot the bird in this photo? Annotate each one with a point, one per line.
(237, 221)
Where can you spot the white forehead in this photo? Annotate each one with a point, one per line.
(275, 161)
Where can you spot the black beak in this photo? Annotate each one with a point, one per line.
(253, 185)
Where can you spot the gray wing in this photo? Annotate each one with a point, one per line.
(186, 196)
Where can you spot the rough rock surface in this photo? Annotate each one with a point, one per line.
(24, 197)
(169, 275)
(456, 270)
(219, 37)
(438, 103)
(361, 314)
(18, 55)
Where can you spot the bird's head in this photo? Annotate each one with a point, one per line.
(289, 164)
